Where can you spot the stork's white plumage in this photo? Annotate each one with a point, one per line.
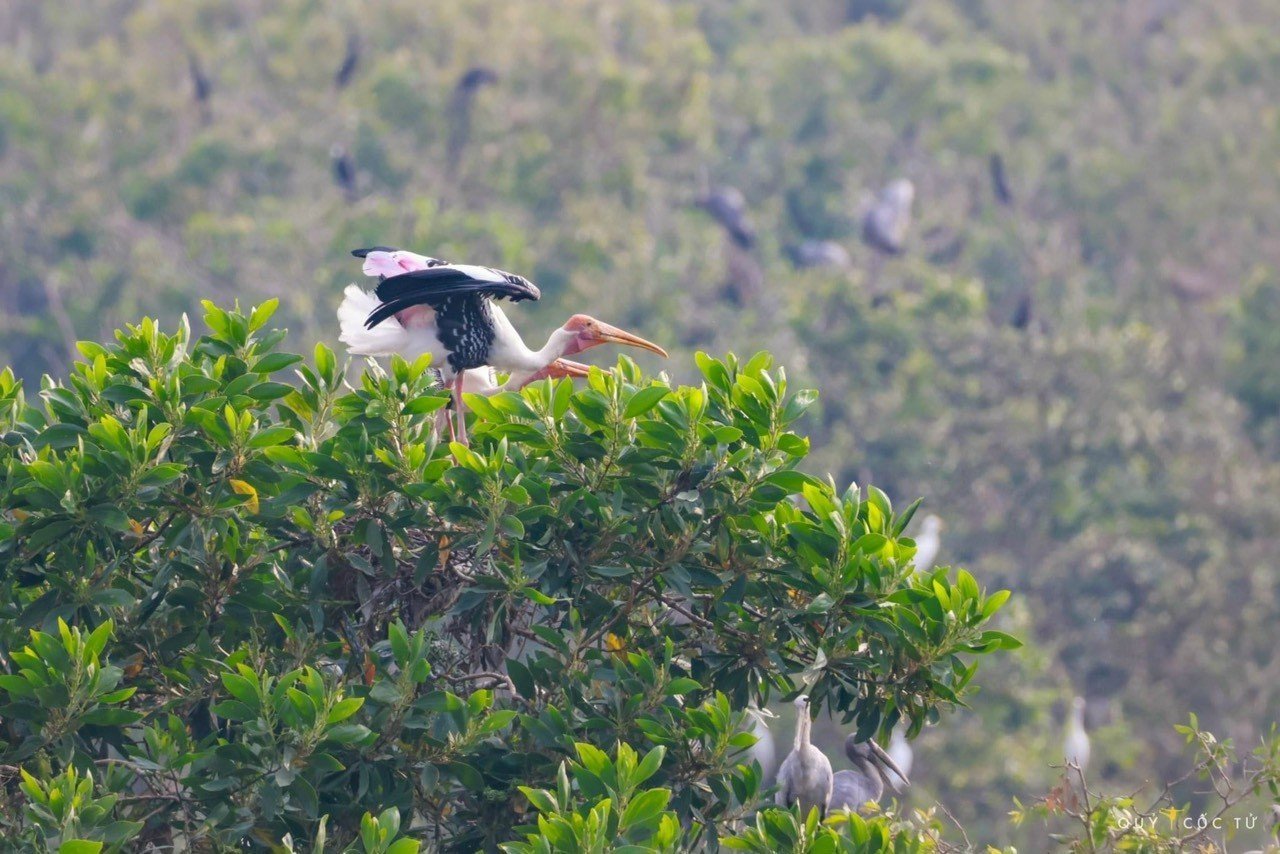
(928, 544)
(1076, 748)
(763, 751)
(900, 751)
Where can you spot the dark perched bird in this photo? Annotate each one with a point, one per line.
(805, 776)
(1000, 180)
(460, 105)
(887, 217)
(350, 61)
(424, 305)
(201, 85)
(344, 170)
(818, 253)
(1023, 311)
(871, 772)
(728, 207)
(475, 77)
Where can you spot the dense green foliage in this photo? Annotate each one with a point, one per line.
(230, 606)
(1113, 460)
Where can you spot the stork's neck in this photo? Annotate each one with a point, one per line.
(510, 353)
(802, 731)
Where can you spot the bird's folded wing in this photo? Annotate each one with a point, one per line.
(436, 284)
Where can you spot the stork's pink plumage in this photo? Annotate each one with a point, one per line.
(424, 305)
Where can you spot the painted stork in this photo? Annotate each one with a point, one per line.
(423, 305)
(1075, 748)
(873, 769)
(383, 261)
(887, 217)
(805, 776)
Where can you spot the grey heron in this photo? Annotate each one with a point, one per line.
(873, 770)
(887, 217)
(805, 777)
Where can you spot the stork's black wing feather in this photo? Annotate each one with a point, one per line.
(388, 309)
(362, 253)
(436, 284)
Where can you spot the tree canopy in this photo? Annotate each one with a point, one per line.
(236, 606)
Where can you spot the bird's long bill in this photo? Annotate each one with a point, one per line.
(568, 368)
(614, 335)
(885, 761)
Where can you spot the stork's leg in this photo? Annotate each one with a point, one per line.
(443, 417)
(457, 407)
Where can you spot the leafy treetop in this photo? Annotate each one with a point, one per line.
(239, 606)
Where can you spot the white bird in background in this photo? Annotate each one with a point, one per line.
(887, 217)
(805, 776)
(763, 752)
(1075, 748)
(818, 253)
(873, 770)
(928, 544)
(900, 750)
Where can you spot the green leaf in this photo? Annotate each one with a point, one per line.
(646, 806)
(644, 400)
(241, 688)
(348, 733)
(344, 709)
(273, 362)
(682, 685)
(80, 846)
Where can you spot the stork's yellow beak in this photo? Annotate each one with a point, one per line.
(613, 335)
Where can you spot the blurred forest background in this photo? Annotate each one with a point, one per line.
(1075, 360)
